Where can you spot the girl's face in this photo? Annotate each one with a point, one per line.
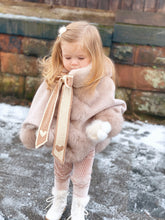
(74, 56)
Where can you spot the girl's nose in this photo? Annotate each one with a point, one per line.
(74, 62)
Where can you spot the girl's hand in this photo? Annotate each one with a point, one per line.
(98, 130)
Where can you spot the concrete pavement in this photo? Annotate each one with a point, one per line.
(127, 182)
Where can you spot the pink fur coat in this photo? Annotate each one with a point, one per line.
(87, 107)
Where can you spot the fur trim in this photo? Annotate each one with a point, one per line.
(81, 201)
(28, 136)
(78, 207)
(59, 193)
(79, 76)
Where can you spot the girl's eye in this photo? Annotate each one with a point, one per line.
(81, 58)
(67, 58)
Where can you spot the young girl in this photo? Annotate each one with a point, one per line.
(75, 111)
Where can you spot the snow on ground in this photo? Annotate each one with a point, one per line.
(128, 180)
(151, 135)
(10, 119)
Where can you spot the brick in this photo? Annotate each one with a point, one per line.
(155, 78)
(92, 4)
(142, 78)
(81, 4)
(0, 62)
(106, 35)
(30, 26)
(150, 56)
(149, 5)
(106, 51)
(114, 5)
(122, 54)
(36, 47)
(138, 5)
(103, 5)
(63, 2)
(31, 86)
(70, 3)
(18, 64)
(60, 2)
(142, 35)
(149, 103)
(126, 4)
(140, 18)
(9, 43)
(125, 76)
(161, 6)
(12, 85)
(38, 1)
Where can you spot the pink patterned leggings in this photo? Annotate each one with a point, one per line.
(79, 173)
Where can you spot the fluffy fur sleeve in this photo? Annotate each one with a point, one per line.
(28, 135)
(33, 119)
(114, 109)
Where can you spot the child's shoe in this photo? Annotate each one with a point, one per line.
(78, 211)
(59, 201)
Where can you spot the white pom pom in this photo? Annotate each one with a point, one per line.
(101, 135)
(61, 30)
(106, 127)
(98, 130)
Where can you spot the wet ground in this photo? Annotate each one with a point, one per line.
(128, 181)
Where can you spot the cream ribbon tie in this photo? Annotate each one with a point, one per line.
(68, 80)
(64, 91)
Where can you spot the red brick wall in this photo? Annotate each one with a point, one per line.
(139, 58)
(144, 70)
(138, 51)
(19, 74)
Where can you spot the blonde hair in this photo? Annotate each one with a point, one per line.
(90, 39)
